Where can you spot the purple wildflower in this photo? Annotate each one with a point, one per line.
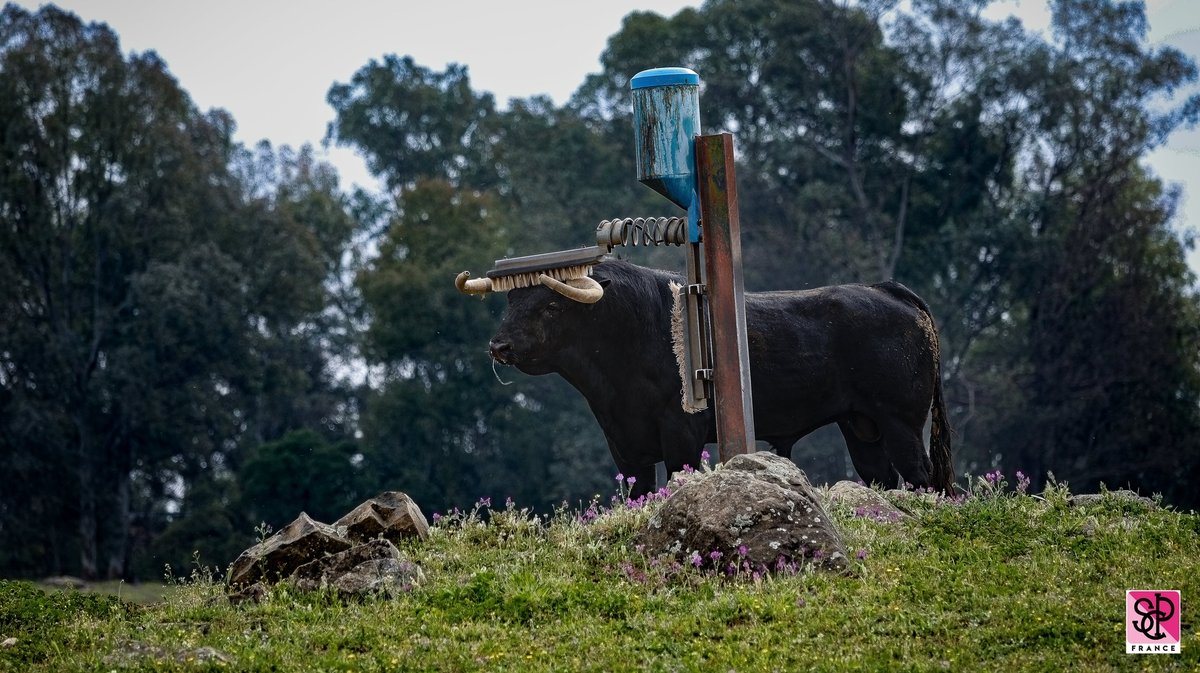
(590, 514)
(715, 555)
(631, 481)
(484, 502)
(862, 554)
(436, 517)
(620, 477)
(1022, 482)
(742, 550)
(697, 559)
(704, 456)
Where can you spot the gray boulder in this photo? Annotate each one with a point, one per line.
(1084, 499)
(372, 567)
(757, 511)
(281, 554)
(391, 515)
(382, 577)
(864, 501)
(134, 653)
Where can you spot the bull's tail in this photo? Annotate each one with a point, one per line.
(940, 453)
(939, 434)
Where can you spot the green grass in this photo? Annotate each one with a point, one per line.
(1000, 581)
(134, 592)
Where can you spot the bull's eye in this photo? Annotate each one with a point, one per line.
(552, 308)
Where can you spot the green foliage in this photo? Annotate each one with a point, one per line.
(412, 122)
(1099, 254)
(42, 621)
(301, 472)
(211, 527)
(162, 309)
(998, 581)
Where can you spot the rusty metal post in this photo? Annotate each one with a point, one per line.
(721, 236)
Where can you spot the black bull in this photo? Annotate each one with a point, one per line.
(864, 357)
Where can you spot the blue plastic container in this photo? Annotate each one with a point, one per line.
(666, 119)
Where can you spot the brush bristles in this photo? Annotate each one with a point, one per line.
(519, 280)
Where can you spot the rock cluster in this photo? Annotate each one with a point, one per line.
(356, 555)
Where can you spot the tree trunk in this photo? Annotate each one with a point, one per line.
(88, 549)
(118, 544)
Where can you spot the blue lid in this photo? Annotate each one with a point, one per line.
(663, 77)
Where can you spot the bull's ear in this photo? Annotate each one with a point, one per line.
(604, 282)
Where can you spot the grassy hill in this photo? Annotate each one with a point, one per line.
(996, 580)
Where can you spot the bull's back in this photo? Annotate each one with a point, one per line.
(829, 350)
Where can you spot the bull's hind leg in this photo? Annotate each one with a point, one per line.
(870, 458)
(905, 449)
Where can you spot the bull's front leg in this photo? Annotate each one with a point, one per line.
(681, 449)
(641, 479)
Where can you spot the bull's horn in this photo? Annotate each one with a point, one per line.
(583, 290)
(468, 285)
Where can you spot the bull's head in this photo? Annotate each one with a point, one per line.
(541, 322)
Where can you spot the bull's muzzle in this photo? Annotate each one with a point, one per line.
(501, 351)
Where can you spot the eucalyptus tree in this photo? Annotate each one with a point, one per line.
(157, 314)
(1109, 335)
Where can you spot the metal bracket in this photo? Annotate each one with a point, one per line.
(697, 354)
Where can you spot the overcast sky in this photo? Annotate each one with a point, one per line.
(271, 62)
